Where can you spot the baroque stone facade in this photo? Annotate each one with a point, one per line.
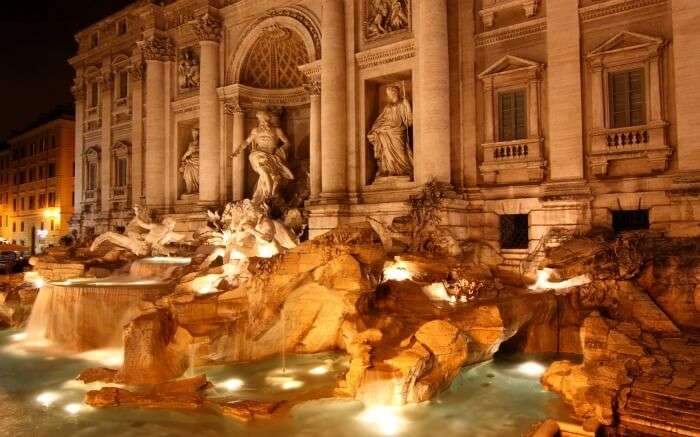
(538, 114)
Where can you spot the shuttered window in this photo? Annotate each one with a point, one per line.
(512, 115)
(627, 98)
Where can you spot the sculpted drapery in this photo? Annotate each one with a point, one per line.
(266, 158)
(389, 137)
(189, 164)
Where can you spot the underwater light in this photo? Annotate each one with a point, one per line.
(383, 419)
(531, 368)
(397, 272)
(47, 398)
(73, 408)
(319, 370)
(20, 336)
(232, 384)
(267, 251)
(292, 384)
(543, 281)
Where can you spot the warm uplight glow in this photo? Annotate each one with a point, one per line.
(52, 213)
(47, 398)
(232, 384)
(35, 279)
(383, 419)
(531, 368)
(319, 370)
(20, 336)
(73, 408)
(397, 272)
(267, 250)
(108, 357)
(543, 281)
(292, 384)
(436, 291)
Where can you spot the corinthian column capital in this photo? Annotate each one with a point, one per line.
(207, 27)
(157, 48)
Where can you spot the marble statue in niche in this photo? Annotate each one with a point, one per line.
(188, 70)
(389, 136)
(267, 158)
(386, 16)
(189, 164)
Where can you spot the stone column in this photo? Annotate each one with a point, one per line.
(136, 165)
(239, 161)
(315, 152)
(655, 90)
(107, 83)
(208, 30)
(489, 124)
(597, 96)
(78, 91)
(333, 99)
(432, 151)
(157, 51)
(564, 90)
(686, 40)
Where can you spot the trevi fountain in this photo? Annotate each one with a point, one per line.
(363, 292)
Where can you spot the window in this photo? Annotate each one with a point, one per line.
(94, 40)
(627, 98)
(14, 204)
(52, 169)
(514, 231)
(52, 200)
(21, 227)
(14, 227)
(121, 27)
(94, 94)
(122, 84)
(121, 172)
(32, 203)
(92, 176)
(634, 220)
(512, 118)
(42, 200)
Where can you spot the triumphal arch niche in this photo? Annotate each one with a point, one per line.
(272, 109)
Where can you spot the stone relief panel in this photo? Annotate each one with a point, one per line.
(385, 17)
(188, 69)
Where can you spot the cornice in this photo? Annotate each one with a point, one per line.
(516, 31)
(613, 7)
(386, 54)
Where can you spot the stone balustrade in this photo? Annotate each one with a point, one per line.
(634, 142)
(514, 155)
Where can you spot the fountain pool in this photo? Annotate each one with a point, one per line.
(497, 398)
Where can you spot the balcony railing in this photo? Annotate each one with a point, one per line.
(633, 142)
(519, 155)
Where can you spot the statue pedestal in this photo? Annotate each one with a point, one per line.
(391, 181)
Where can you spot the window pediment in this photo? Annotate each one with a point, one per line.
(510, 68)
(93, 153)
(120, 148)
(626, 46)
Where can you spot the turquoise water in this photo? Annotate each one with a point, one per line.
(487, 400)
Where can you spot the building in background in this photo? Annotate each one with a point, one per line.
(36, 184)
(538, 114)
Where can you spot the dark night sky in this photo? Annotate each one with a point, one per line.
(36, 37)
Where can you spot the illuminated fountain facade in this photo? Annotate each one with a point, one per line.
(407, 187)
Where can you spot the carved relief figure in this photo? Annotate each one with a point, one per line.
(267, 158)
(154, 242)
(188, 70)
(385, 16)
(189, 164)
(389, 136)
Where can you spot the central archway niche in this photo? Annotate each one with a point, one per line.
(265, 74)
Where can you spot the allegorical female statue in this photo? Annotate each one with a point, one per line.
(267, 158)
(189, 164)
(389, 136)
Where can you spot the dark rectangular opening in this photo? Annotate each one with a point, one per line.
(634, 220)
(514, 231)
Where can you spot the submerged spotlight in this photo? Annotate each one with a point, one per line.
(319, 370)
(397, 272)
(232, 384)
(384, 420)
(531, 368)
(73, 408)
(47, 398)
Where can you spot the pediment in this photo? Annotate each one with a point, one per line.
(626, 41)
(509, 64)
